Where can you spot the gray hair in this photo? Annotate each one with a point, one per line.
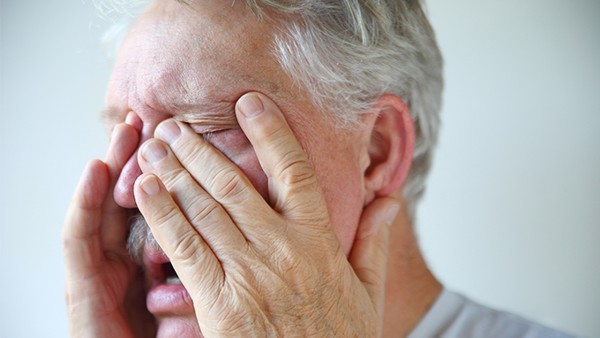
(347, 53)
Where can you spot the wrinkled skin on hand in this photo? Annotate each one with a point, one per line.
(252, 267)
(104, 288)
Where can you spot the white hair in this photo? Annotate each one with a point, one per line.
(347, 53)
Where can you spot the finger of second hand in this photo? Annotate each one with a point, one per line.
(80, 235)
(206, 215)
(192, 258)
(123, 143)
(369, 254)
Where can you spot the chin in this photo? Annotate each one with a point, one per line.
(178, 327)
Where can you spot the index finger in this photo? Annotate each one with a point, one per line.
(293, 186)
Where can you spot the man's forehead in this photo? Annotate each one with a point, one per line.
(190, 72)
(194, 113)
(214, 106)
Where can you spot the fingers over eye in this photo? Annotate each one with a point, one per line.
(214, 172)
(293, 186)
(205, 214)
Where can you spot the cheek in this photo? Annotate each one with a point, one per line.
(336, 167)
(336, 163)
(344, 197)
(248, 163)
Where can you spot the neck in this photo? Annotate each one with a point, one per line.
(411, 288)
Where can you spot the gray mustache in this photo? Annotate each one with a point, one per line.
(139, 236)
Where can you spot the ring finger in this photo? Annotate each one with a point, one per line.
(206, 215)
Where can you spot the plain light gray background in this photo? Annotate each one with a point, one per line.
(512, 213)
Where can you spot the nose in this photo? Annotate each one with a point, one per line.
(123, 192)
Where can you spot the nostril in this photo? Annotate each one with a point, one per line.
(123, 193)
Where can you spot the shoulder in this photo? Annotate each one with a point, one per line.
(454, 315)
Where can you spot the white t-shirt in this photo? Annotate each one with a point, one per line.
(453, 315)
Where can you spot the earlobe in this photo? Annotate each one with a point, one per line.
(391, 146)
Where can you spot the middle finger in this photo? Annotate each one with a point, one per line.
(201, 210)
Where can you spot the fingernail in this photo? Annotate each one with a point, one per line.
(134, 120)
(130, 118)
(150, 185)
(391, 213)
(154, 151)
(169, 131)
(250, 105)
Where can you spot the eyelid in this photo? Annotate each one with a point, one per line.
(208, 121)
(204, 129)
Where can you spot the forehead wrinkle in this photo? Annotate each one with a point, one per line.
(189, 103)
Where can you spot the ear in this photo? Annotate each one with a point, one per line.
(391, 146)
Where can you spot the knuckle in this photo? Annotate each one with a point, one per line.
(272, 132)
(174, 177)
(193, 152)
(67, 241)
(381, 245)
(294, 170)
(369, 276)
(165, 214)
(188, 248)
(66, 244)
(227, 184)
(203, 210)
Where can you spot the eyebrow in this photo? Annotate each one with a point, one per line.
(110, 116)
(207, 115)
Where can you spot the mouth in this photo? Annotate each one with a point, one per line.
(171, 277)
(159, 268)
(167, 295)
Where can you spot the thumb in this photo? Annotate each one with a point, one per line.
(370, 251)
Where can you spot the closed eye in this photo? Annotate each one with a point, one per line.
(231, 140)
(203, 129)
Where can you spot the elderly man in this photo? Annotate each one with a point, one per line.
(264, 165)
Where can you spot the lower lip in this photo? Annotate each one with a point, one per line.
(167, 299)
